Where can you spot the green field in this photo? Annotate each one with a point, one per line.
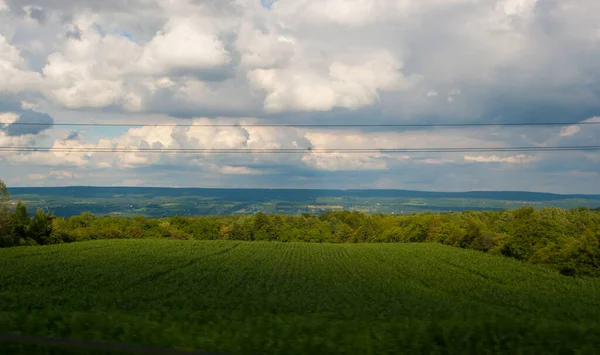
(278, 298)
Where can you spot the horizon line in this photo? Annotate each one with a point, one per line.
(299, 189)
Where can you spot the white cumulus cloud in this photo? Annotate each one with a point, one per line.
(14, 75)
(569, 131)
(518, 159)
(185, 44)
(344, 85)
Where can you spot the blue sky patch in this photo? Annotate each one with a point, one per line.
(267, 4)
(127, 35)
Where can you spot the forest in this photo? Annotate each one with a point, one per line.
(567, 241)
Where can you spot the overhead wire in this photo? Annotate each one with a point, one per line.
(298, 150)
(295, 150)
(301, 125)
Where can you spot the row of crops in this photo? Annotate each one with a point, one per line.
(295, 298)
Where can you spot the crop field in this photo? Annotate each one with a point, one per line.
(286, 298)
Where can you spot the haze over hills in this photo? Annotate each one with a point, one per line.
(96, 191)
(160, 201)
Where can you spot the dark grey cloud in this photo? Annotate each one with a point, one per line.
(9, 103)
(42, 122)
(226, 99)
(565, 161)
(74, 33)
(70, 5)
(73, 136)
(38, 14)
(523, 110)
(219, 7)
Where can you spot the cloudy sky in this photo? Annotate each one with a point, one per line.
(332, 62)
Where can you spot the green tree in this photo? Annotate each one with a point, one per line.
(4, 197)
(225, 232)
(40, 228)
(276, 228)
(5, 230)
(417, 230)
(242, 229)
(392, 235)
(6, 237)
(344, 234)
(84, 220)
(474, 231)
(451, 233)
(525, 234)
(260, 226)
(19, 222)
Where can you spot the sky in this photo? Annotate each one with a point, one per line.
(326, 62)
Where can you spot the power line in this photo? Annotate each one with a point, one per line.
(295, 150)
(308, 125)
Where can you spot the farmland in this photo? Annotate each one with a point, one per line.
(166, 202)
(237, 297)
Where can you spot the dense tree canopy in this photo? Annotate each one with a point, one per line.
(18, 228)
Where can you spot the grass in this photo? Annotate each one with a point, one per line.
(276, 298)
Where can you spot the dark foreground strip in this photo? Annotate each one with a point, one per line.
(94, 345)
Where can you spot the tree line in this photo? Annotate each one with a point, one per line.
(564, 240)
(19, 228)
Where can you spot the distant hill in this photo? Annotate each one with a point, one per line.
(160, 201)
(288, 194)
